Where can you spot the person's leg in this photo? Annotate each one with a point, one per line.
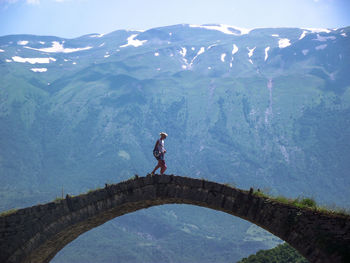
(157, 167)
(163, 167)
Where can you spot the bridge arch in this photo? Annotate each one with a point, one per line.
(37, 233)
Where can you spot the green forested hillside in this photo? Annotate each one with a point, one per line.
(281, 254)
(238, 108)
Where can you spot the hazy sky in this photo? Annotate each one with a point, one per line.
(73, 18)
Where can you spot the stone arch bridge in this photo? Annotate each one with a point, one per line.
(37, 233)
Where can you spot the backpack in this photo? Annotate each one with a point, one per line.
(156, 152)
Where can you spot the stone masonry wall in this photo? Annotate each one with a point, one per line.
(37, 233)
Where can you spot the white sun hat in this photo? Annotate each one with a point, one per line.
(163, 133)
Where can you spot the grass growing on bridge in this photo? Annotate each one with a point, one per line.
(8, 212)
(303, 203)
(299, 202)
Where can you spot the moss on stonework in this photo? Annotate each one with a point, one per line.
(303, 203)
(8, 212)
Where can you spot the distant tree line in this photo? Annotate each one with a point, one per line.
(283, 253)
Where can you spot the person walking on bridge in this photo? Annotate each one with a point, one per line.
(159, 152)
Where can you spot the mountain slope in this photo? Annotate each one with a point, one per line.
(267, 108)
(280, 254)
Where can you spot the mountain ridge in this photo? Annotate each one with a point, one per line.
(236, 112)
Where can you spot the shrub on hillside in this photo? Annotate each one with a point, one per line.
(283, 253)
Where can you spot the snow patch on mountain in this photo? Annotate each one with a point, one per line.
(305, 51)
(303, 34)
(251, 62)
(183, 51)
(223, 57)
(156, 54)
(42, 42)
(58, 48)
(22, 42)
(344, 34)
(318, 30)
(321, 47)
(283, 42)
(235, 49)
(251, 51)
(101, 45)
(8, 60)
(134, 42)
(38, 69)
(201, 51)
(266, 53)
(323, 38)
(33, 60)
(213, 45)
(275, 35)
(226, 29)
(97, 35)
(1, 50)
(135, 30)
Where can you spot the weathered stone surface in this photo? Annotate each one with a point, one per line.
(37, 233)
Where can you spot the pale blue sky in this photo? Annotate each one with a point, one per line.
(73, 18)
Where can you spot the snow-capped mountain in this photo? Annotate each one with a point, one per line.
(267, 108)
(185, 47)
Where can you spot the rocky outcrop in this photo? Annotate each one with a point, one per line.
(37, 233)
